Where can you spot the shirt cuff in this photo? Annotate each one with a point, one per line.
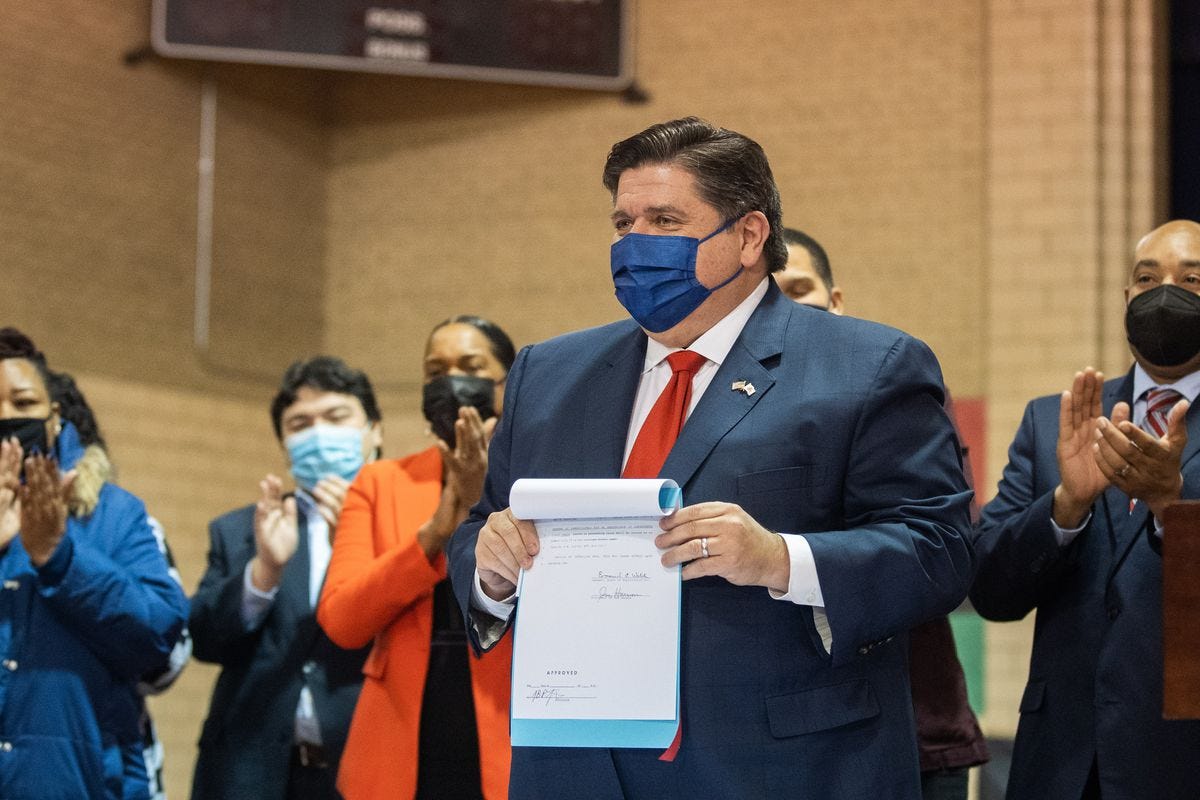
(1066, 535)
(489, 617)
(500, 609)
(255, 602)
(803, 587)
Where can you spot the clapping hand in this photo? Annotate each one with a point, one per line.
(276, 534)
(10, 487)
(330, 494)
(43, 507)
(1140, 464)
(1082, 480)
(465, 469)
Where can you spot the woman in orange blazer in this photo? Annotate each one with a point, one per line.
(432, 719)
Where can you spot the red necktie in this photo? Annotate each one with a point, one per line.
(654, 442)
(662, 425)
(1159, 403)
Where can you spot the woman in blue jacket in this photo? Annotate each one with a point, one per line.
(86, 604)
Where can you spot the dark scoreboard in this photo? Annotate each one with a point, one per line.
(580, 43)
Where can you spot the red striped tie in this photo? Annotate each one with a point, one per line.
(1159, 403)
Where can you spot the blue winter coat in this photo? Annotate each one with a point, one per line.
(75, 636)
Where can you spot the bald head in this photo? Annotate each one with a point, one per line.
(1182, 233)
(1169, 255)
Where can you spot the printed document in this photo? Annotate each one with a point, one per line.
(596, 653)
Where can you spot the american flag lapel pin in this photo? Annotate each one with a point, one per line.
(745, 387)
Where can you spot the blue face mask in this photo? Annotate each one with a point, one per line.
(323, 450)
(655, 277)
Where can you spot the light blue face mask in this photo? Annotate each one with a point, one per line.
(323, 450)
(655, 277)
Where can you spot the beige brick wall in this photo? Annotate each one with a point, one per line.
(450, 197)
(977, 170)
(1072, 160)
(98, 209)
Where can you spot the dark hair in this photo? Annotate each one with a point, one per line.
(502, 346)
(731, 171)
(325, 374)
(14, 344)
(820, 259)
(73, 407)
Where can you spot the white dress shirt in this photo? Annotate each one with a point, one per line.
(714, 345)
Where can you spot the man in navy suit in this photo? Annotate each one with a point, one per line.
(281, 708)
(948, 736)
(1074, 532)
(825, 506)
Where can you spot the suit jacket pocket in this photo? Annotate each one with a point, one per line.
(1031, 699)
(821, 709)
(774, 480)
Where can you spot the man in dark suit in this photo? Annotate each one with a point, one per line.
(281, 708)
(826, 429)
(1074, 532)
(948, 736)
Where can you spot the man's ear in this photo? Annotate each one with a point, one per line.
(755, 230)
(374, 439)
(836, 305)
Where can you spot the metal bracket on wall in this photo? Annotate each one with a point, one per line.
(138, 54)
(635, 95)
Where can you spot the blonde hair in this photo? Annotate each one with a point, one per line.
(92, 471)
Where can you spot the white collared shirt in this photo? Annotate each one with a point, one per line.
(1188, 386)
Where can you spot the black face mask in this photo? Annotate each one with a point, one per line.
(443, 396)
(1163, 324)
(30, 432)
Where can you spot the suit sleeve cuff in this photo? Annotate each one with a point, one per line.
(255, 602)
(55, 569)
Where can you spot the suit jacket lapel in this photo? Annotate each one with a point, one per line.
(1122, 523)
(721, 407)
(1193, 442)
(1116, 501)
(611, 390)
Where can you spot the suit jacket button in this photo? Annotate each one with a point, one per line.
(862, 651)
(1114, 612)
